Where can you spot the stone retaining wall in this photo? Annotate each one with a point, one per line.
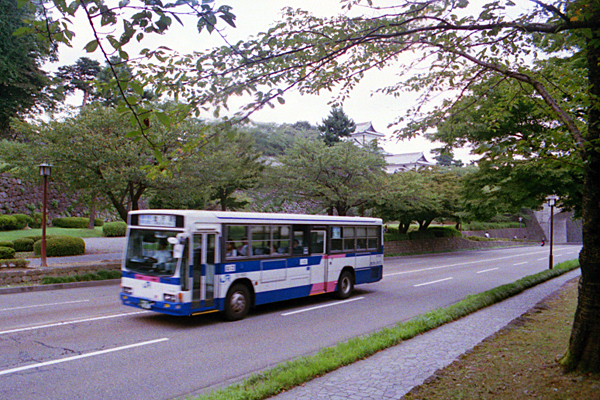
(444, 244)
(21, 276)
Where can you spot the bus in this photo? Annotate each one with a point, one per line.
(185, 262)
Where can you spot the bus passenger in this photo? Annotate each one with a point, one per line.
(231, 250)
(243, 249)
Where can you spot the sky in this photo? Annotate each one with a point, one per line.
(253, 16)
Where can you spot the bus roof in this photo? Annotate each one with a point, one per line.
(232, 217)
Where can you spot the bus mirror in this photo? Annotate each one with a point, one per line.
(173, 240)
(178, 250)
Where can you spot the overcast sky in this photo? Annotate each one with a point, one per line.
(255, 16)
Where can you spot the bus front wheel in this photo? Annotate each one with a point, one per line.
(345, 285)
(237, 303)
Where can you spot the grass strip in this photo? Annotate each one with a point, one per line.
(293, 373)
(98, 276)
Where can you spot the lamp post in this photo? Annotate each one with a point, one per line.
(551, 202)
(520, 232)
(45, 172)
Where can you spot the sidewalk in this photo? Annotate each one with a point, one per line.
(392, 373)
(97, 250)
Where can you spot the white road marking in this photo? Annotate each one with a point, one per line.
(487, 270)
(462, 264)
(337, 303)
(541, 259)
(44, 305)
(32, 328)
(96, 353)
(521, 263)
(432, 282)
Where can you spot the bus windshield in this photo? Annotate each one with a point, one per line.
(149, 252)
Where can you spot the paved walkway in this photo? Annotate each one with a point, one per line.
(392, 373)
(100, 249)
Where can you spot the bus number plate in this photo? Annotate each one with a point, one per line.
(145, 304)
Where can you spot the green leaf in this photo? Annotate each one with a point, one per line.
(91, 46)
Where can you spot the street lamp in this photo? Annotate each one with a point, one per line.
(551, 202)
(45, 172)
(520, 232)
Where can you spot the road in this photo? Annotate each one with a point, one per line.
(82, 344)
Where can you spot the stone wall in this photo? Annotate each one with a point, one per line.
(34, 276)
(443, 245)
(20, 197)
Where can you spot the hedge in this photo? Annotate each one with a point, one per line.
(113, 229)
(7, 244)
(24, 244)
(6, 252)
(58, 246)
(418, 235)
(14, 263)
(75, 222)
(7, 222)
(444, 231)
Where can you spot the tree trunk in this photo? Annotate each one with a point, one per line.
(92, 220)
(584, 346)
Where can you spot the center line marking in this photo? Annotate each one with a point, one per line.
(44, 305)
(323, 306)
(525, 262)
(432, 282)
(96, 353)
(487, 270)
(32, 328)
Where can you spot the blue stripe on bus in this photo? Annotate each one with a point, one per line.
(320, 221)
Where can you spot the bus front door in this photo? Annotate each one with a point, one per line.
(203, 270)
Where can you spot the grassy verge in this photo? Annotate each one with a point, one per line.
(98, 276)
(519, 361)
(80, 233)
(296, 372)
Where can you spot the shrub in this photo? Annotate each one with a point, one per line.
(71, 222)
(75, 222)
(113, 229)
(444, 231)
(418, 235)
(395, 236)
(6, 252)
(14, 263)
(58, 246)
(22, 220)
(24, 244)
(7, 244)
(7, 222)
(35, 220)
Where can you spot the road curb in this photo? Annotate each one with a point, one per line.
(56, 286)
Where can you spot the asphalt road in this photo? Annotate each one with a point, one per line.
(82, 344)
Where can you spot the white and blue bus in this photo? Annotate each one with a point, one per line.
(184, 262)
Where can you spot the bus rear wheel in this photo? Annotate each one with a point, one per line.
(345, 285)
(237, 302)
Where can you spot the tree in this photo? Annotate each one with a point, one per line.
(80, 76)
(91, 152)
(24, 86)
(420, 196)
(336, 126)
(114, 25)
(340, 176)
(461, 48)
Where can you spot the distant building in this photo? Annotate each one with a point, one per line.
(365, 134)
(406, 161)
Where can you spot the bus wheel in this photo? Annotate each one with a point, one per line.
(237, 303)
(345, 285)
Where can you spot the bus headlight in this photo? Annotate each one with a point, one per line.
(170, 298)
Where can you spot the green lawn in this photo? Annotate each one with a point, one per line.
(81, 233)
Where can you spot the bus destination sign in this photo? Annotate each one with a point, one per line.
(164, 221)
